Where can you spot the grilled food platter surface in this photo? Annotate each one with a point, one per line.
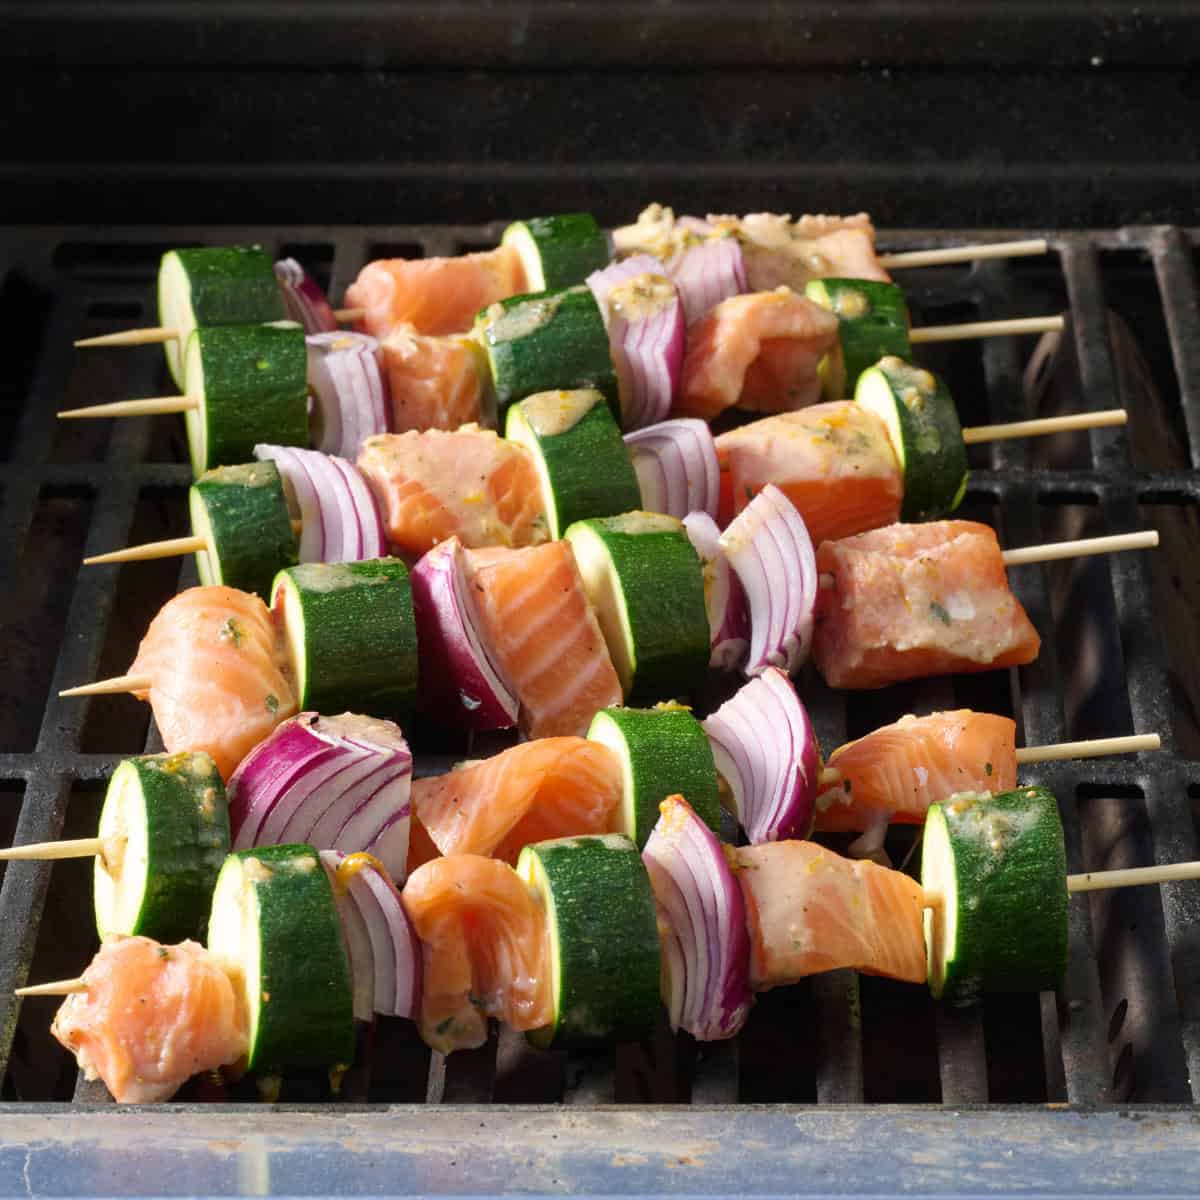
(1121, 1025)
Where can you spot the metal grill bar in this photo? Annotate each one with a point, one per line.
(76, 268)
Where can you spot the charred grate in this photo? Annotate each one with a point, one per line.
(1120, 654)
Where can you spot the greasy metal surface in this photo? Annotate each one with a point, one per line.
(1118, 656)
(700, 1151)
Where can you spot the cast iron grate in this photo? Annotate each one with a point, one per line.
(1119, 655)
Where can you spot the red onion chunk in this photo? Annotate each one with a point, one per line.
(304, 298)
(646, 332)
(339, 515)
(766, 751)
(336, 783)
(461, 682)
(350, 400)
(768, 546)
(728, 612)
(702, 921)
(707, 273)
(676, 466)
(384, 953)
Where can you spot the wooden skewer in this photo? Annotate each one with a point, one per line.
(132, 337)
(169, 548)
(958, 254)
(1082, 548)
(984, 329)
(346, 315)
(60, 987)
(116, 686)
(1094, 881)
(1044, 425)
(150, 407)
(48, 851)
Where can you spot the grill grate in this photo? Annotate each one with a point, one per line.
(1126, 1027)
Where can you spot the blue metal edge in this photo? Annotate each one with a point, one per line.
(770, 1150)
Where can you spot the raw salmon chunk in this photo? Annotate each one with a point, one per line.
(484, 949)
(436, 382)
(545, 636)
(152, 1017)
(434, 295)
(810, 910)
(833, 461)
(897, 772)
(217, 669)
(915, 600)
(470, 483)
(548, 788)
(758, 351)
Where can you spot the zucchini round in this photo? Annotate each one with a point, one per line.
(602, 931)
(214, 285)
(646, 584)
(548, 342)
(583, 465)
(872, 323)
(275, 926)
(663, 751)
(242, 514)
(996, 867)
(165, 829)
(251, 385)
(559, 251)
(352, 635)
(918, 410)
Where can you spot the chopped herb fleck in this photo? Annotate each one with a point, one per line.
(442, 1026)
(272, 703)
(939, 612)
(163, 952)
(987, 768)
(846, 786)
(231, 631)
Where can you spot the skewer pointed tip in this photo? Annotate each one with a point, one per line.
(116, 686)
(149, 407)
(59, 987)
(130, 337)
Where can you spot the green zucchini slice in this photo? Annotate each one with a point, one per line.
(663, 751)
(603, 937)
(274, 924)
(250, 384)
(998, 869)
(352, 635)
(548, 342)
(583, 466)
(872, 323)
(646, 584)
(918, 410)
(165, 829)
(242, 514)
(559, 251)
(214, 285)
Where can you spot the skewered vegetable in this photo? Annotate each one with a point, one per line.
(557, 251)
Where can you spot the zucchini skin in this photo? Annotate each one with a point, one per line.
(605, 946)
(187, 839)
(547, 342)
(250, 528)
(306, 1015)
(360, 636)
(586, 470)
(873, 322)
(1010, 864)
(934, 455)
(662, 580)
(254, 389)
(570, 246)
(232, 285)
(666, 752)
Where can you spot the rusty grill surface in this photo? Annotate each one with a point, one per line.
(1121, 653)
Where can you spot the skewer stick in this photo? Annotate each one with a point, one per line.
(149, 407)
(116, 686)
(1094, 881)
(958, 254)
(1082, 548)
(132, 337)
(60, 987)
(52, 851)
(169, 548)
(1044, 426)
(346, 315)
(983, 329)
